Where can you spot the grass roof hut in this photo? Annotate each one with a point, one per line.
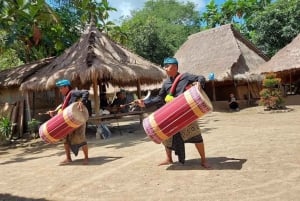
(11, 80)
(13, 103)
(95, 59)
(286, 64)
(232, 59)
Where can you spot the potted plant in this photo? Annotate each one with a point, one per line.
(270, 95)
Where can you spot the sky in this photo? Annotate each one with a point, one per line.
(125, 6)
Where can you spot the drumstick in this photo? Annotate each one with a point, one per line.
(145, 98)
(56, 109)
(41, 113)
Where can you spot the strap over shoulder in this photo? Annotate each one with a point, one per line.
(174, 85)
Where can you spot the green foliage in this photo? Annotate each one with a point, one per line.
(39, 31)
(212, 16)
(8, 59)
(160, 28)
(29, 22)
(276, 26)
(269, 83)
(232, 11)
(5, 128)
(270, 95)
(33, 127)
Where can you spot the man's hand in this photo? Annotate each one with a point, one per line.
(79, 106)
(140, 102)
(51, 113)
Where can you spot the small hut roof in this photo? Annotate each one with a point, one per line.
(286, 59)
(222, 51)
(95, 57)
(15, 76)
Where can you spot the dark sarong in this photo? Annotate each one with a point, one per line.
(190, 134)
(76, 139)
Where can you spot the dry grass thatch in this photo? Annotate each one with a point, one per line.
(16, 76)
(286, 59)
(222, 51)
(96, 58)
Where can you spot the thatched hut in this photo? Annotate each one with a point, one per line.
(286, 64)
(11, 80)
(14, 104)
(232, 59)
(95, 59)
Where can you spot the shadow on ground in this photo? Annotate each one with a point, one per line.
(9, 197)
(100, 160)
(217, 163)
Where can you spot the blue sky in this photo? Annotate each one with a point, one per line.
(125, 6)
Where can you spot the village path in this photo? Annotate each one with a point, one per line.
(254, 154)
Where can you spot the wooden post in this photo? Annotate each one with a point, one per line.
(249, 98)
(96, 97)
(290, 82)
(138, 86)
(214, 90)
(27, 107)
(20, 120)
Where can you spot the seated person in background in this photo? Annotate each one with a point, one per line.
(120, 103)
(232, 103)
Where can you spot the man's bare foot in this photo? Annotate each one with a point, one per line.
(86, 161)
(206, 166)
(65, 162)
(166, 162)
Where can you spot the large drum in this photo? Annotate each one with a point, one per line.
(63, 123)
(177, 114)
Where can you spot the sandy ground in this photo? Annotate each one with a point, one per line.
(255, 155)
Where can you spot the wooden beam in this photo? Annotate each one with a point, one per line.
(96, 97)
(138, 86)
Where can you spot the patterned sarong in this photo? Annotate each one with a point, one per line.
(76, 139)
(190, 134)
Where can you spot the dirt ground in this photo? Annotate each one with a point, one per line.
(255, 155)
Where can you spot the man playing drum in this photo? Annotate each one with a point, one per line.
(76, 139)
(192, 133)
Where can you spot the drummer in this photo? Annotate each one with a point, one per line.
(176, 142)
(77, 138)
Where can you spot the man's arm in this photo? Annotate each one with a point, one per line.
(195, 78)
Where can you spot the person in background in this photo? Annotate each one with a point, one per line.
(176, 142)
(77, 139)
(120, 102)
(232, 103)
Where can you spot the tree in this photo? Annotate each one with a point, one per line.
(24, 23)
(160, 28)
(239, 12)
(34, 30)
(276, 26)
(212, 17)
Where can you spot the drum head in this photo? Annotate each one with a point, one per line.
(80, 115)
(204, 97)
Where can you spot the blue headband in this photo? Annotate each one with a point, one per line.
(170, 60)
(62, 83)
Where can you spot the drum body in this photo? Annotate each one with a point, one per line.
(177, 114)
(63, 123)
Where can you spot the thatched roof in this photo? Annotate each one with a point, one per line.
(16, 76)
(286, 59)
(96, 57)
(222, 51)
